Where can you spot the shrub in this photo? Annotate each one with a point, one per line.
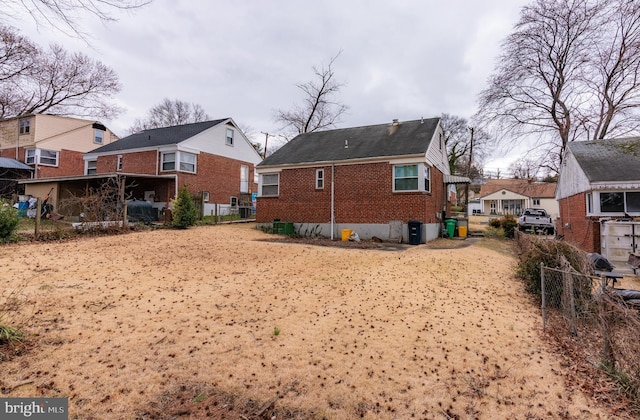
(9, 221)
(494, 232)
(509, 224)
(495, 223)
(534, 251)
(185, 213)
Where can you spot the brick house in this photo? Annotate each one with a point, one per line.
(599, 196)
(52, 145)
(214, 158)
(372, 179)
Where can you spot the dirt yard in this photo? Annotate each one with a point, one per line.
(222, 321)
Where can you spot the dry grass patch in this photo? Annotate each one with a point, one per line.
(166, 323)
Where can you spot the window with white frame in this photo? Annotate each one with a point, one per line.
(187, 162)
(41, 157)
(427, 178)
(270, 184)
(613, 203)
(98, 136)
(536, 201)
(406, 178)
(25, 126)
(229, 139)
(119, 163)
(30, 156)
(632, 200)
(168, 161)
(92, 167)
(319, 179)
(244, 179)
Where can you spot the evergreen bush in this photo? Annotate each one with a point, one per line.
(184, 213)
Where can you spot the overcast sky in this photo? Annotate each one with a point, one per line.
(242, 59)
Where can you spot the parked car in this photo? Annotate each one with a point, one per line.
(536, 220)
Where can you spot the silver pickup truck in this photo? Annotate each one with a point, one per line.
(536, 220)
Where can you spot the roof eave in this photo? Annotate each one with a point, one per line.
(355, 161)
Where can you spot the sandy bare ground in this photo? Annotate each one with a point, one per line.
(222, 319)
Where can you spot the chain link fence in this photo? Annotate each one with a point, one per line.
(596, 322)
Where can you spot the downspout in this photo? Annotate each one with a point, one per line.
(333, 219)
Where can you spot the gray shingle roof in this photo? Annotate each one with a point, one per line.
(382, 140)
(608, 160)
(8, 163)
(158, 136)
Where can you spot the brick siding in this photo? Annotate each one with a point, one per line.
(582, 231)
(363, 194)
(218, 175)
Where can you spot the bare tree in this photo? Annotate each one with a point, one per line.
(524, 168)
(55, 81)
(466, 146)
(16, 54)
(169, 113)
(569, 71)
(319, 110)
(64, 15)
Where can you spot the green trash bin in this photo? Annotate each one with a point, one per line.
(288, 228)
(451, 227)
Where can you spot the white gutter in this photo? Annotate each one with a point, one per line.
(333, 220)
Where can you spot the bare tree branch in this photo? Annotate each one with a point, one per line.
(64, 15)
(569, 71)
(54, 81)
(169, 113)
(318, 111)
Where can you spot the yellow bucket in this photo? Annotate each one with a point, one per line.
(345, 234)
(462, 231)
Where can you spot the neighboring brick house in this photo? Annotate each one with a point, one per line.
(512, 196)
(214, 158)
(599, 196)
(372, 179)
(52, 145)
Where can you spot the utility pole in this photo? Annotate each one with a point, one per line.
(470, 152)
(466, 192)
(266, 139)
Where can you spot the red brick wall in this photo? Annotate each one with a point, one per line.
(363, 194)
(218, 175)
(70, 163)
(133, 163)
(582, 231)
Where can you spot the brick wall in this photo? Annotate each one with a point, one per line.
(70, 163)
(363, 194)
(134, 163)
(582, 231)
(218, 175)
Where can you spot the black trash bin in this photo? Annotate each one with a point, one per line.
(415, 232)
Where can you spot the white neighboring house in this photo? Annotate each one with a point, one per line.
(499, 197)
